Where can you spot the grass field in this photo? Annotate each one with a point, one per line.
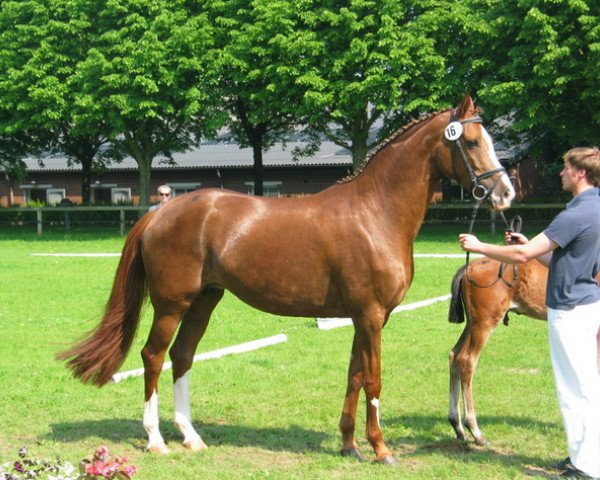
(271, 413)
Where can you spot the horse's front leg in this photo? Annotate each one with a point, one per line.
(182, 352)
(368, 340)
(348, 420)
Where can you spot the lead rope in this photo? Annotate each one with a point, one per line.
(472, 223)
(514, 226)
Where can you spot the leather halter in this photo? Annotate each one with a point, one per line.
(475, 179)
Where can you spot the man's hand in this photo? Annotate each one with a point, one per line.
(514, 238)
(468, 242)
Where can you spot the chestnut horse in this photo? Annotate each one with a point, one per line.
(343, 252)
(487, 290)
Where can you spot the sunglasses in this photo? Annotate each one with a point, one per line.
(164, 194)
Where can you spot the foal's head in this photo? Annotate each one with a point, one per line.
(471, 157)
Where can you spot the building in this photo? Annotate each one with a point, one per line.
(213, 165)
(218, 164)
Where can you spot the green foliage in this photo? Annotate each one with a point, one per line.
(145, 74)
(371, 61)
(153, 76)
(259, 53)
(540, 61)
(34, 204)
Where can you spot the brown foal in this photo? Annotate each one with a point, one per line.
(486, 291)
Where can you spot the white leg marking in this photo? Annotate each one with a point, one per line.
(375, 403)
(183, 417)
(151, 422)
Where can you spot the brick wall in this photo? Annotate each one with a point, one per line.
(294, 181)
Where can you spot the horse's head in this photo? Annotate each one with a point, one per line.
(473, 161)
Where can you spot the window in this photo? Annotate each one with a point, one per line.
(54, 195)
(181, 188)
(101, 193)
(270, 189)
(36, 193)
(120, 195)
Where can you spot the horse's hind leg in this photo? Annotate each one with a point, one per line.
(153, 355)
(182, 352)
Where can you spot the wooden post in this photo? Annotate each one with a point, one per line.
(122, 221)
(39, 220)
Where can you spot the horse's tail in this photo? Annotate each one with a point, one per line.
(456, 312)
(100, 354)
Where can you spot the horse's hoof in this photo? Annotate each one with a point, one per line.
(390, 461)
(160, 448)
(353, 452)
(195, 445)
(481, 442)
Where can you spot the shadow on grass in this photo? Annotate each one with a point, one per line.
(424, 437)
(293, 439)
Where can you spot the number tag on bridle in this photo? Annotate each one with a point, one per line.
(453, 131)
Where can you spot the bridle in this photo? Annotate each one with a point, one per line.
(454, 133)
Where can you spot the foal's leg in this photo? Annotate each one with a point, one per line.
(348, 420)
(182, 352)
(468, 357)
(153, 355)
(454, 416)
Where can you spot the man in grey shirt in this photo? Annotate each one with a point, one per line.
(570, 248)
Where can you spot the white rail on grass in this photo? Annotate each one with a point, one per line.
(241, 348)
(329, 323)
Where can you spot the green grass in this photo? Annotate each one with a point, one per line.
(271, 413)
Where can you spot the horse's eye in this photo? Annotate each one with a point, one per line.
(472, 144)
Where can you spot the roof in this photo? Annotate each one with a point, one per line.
(226, 153)
(215, 155)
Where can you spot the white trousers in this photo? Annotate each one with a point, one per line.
(574, 351)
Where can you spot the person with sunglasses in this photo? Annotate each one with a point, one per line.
(164, 195)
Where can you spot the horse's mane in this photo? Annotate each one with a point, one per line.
(387, 141)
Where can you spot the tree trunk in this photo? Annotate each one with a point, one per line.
(86, 179)
(258, 167)
(360, 138)
(144, 168)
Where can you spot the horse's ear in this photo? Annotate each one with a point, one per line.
(465, 107)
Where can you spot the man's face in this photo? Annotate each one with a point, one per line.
(569, 176)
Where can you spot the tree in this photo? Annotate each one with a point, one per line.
(539, 61)
(259, 54)
(42, 43)
(146, 75)
(376, 61)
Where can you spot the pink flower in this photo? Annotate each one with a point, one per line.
(101, 453)
(96, 468)
(103, 467)
(130, 470)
